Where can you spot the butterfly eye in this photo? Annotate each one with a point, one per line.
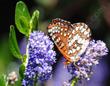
(70, 39)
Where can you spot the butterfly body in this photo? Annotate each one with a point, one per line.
(70, 39)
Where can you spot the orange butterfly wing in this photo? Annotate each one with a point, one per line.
(70, 39)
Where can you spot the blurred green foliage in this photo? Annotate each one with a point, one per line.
(5, 56)
(3, 81)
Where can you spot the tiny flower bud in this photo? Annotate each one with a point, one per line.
(12, 77)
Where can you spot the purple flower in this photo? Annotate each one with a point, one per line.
(41, 58)
(66, 84)
(83, 68)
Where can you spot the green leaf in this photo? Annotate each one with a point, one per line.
(3, 80)
(22, 70)
(22, 18)
(22, 67)
(34, 20)
(13, 45)
(24, 58)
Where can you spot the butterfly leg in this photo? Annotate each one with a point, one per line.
(66, 62)
(78, 68)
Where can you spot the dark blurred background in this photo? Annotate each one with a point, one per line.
(95, 13)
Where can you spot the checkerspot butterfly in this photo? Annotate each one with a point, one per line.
(70, 39)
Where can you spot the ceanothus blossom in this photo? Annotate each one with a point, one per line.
(40, 60)
(91, 56)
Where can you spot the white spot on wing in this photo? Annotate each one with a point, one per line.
(76, 28)
(86, 32)
(78, 48)
(81, 27)
(73, 31)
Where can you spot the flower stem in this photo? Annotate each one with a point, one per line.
(74, 81)
(35, 81)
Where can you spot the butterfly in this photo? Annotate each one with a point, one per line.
(70, 39)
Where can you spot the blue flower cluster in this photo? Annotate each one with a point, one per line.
(40, 60)
(83, 68)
